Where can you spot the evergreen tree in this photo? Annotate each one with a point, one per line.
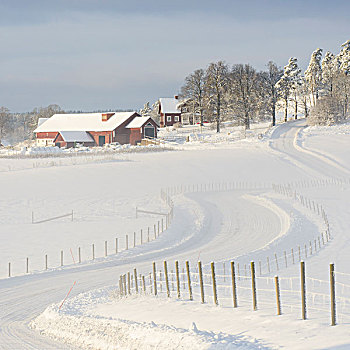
(313, 75)
(330, 70)
(288, 84)
(146, 110)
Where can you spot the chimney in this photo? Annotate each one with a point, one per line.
(176, 97)
(106, 116)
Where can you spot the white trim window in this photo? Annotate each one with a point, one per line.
(176, 118)
(168, 118)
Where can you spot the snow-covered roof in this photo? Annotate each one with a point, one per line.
(169, 105)
(76, 136)
(42, 120)
(138, 122)
(83, 122)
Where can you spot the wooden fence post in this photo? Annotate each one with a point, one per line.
(177, 279)
(93, 252)
(46, 262)
(126, 242)
(129, 284)
(116, 245)
(234, 289)
(200, 272)
(79, 255)
(162, 224)
(166, 279)
(260, 272)
(285, 259)
(124, 284)
(293, 256)
(27, 265)
(9, 269)
(252, 268)
(155, 231)
(106, 252)
(214, 283)
(120, 286)
(278, 297)
(303, 290)
(332, 285)
(134, 239)
(148, 235)
(136, 284)
(189, 280)
(268, 264)
(143, 283)
(158, 228)
(155, 278)
(61, 257)
(276, 259)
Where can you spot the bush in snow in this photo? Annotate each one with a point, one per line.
(327, 111)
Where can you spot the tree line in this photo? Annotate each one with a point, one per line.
(240, 92)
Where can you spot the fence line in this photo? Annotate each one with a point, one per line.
(162, 226)
(234, 293)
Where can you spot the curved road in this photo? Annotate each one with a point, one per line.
(23, 298)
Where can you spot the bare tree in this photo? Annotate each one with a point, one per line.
(216, 82)
(194, 90)
(43, 112)
(244, 85)
(269, 81)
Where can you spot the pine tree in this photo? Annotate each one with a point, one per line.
(288, 84)
(313, 75)
(146, 110)
(330, 70)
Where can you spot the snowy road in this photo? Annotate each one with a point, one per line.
(22, 298)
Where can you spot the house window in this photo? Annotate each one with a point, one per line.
(176, 118)
(168, 118)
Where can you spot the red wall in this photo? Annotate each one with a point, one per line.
(106, 134)
(135, 136)
(164, 122)
(46, 135)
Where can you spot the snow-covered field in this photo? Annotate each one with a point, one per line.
(226, 208)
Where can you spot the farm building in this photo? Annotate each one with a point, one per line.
(169, 111)
(94, 129)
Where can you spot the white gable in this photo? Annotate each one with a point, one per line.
(138, 122)
(169, 105)
(83, 122)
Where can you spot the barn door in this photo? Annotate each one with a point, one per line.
(101, 140)
(149, 131)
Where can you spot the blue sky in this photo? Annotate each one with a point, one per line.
(89, 54)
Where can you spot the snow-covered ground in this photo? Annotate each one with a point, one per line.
(226, 207)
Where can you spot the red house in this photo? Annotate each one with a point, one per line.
(94, 129)
(169, 111)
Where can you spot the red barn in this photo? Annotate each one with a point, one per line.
(169, 111)
(91, 129)
(140, 128)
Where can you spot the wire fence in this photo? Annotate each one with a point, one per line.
(302, 296)
(137, 238)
